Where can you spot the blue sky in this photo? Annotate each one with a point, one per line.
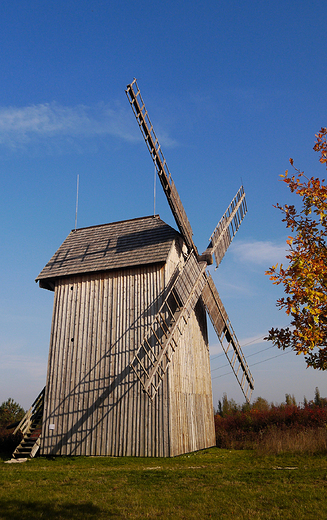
(233, 89)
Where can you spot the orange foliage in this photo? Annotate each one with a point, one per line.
(305, 277)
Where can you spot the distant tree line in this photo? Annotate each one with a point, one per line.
(273, 428)
(229, 406)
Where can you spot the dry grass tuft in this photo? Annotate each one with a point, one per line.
(292, 440)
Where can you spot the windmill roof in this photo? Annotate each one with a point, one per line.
(128, 243)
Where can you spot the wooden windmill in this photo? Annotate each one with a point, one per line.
(129, 370)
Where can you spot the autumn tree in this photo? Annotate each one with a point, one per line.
(305, 277)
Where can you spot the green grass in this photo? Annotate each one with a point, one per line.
(213, 483)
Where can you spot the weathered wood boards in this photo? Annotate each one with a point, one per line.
(94, 403)
(227, 338)
(154, 355)
(134, 97)
(149, 365)
(227, 227)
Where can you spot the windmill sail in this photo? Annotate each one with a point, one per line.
(227, 226)
(161, 340)
(227, 337)
(134, 96)
(154, 354)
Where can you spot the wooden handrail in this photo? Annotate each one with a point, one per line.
(27, 420)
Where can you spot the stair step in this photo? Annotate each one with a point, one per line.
(35, 434)
(31, 427)
(22, 456)
(22, 453)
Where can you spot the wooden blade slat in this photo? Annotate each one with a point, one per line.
(227, 337)
(141, 114)
(227, 227)
(184, 294)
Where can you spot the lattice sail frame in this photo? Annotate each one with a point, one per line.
(228, 225)
(154, 355)
(134, 96)
(227, 337)
(152, 359)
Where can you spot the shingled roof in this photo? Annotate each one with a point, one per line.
(128, 243)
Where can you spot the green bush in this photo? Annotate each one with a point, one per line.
(10, 413)
(261, 424)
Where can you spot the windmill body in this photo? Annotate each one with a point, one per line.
(128, 370)
(109, 283)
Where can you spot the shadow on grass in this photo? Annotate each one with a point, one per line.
(25, 510)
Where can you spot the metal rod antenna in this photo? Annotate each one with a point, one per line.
(154, 191)
(76, 201)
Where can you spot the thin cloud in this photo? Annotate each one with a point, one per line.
(50, 121)
(253, 340)
(32, 365)
(231, 288)
(260, 252)
(19, 126)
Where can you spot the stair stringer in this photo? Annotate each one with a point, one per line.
(30, 426)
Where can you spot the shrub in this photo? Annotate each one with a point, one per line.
(10, 413)
(8, 441)
(287, 427)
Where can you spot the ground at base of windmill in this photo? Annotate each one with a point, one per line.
(15, 461)
(213, 483)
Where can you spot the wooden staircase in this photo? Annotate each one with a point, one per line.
(30, 426)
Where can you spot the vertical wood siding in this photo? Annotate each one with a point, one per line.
(94, 404)
(190, 392)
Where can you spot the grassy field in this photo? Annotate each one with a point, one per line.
(213, 483)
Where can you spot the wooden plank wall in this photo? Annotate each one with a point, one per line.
(190, 391)
(93, 403)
